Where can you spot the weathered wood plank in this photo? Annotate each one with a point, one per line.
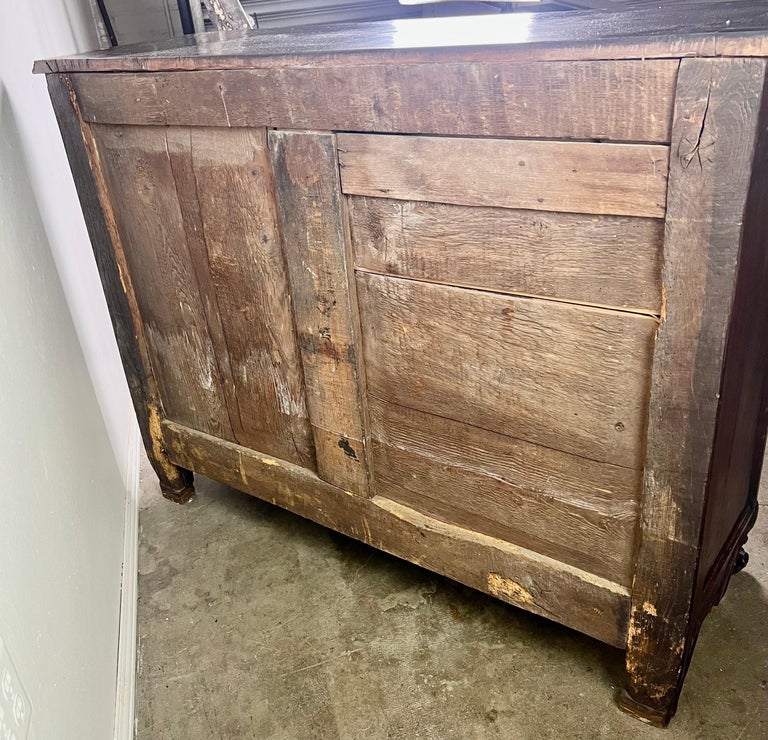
(714, 140)
(601, 260)
(310, 209)
(179, 145)
(575, 177)
(118, 290)
(234, 192)
(141, 188)
(614, 101)
(564, 376)
(574, 510)
(539, 584)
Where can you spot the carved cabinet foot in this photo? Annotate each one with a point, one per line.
(652, 715)
(179, 487)
(741, 560)
(178, 495)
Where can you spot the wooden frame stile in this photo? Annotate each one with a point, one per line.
(717, 156)
(316, 244)
(176, 482)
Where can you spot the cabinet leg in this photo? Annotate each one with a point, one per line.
(741, 560)
(180, 489)
(176, 484)
(659, 714)
(659, 650)
(655, 680)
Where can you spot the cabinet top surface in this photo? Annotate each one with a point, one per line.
(672, 29)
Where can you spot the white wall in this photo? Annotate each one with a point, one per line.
(62, 495)
(39, 29)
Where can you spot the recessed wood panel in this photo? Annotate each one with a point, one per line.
(602, 260)
(575, 510)
(611, 100)
(575, 177)
(196, 212)
(569, 377)
(150, 222)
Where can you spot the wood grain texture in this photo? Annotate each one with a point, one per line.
(141, 189)
(310, 209)
(575, 177)
(577, 511)
(235, 196)
(670, 29)
(601, 260)
(197, 216)
(179, 149)
(568, 377)
(714, 139)
(118, 291)
(521, 577)
(614, 101)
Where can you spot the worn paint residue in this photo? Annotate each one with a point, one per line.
(506, 588)
(158, 442)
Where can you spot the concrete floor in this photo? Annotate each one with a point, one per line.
(255, 623)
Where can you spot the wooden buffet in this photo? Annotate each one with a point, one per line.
(486, 293)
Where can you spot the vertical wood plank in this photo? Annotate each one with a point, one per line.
(142, 190)
(310, 203)
(179, 143)
(176, 482)
(713, 144)
(234, 193)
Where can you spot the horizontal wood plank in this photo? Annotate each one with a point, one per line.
(612, 100)
(602, 260)
(564, 376)
(581, 600)
(574, 510)
(575, 177)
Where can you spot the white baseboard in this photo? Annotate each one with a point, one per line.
(125, 700)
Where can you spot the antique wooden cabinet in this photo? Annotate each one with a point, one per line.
(486, 293)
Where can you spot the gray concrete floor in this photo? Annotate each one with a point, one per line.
(255, 623)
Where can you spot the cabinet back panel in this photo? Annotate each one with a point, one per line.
(569, 377)
(601, 260)
(203, 200)
(578, 511)
(150, 222)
